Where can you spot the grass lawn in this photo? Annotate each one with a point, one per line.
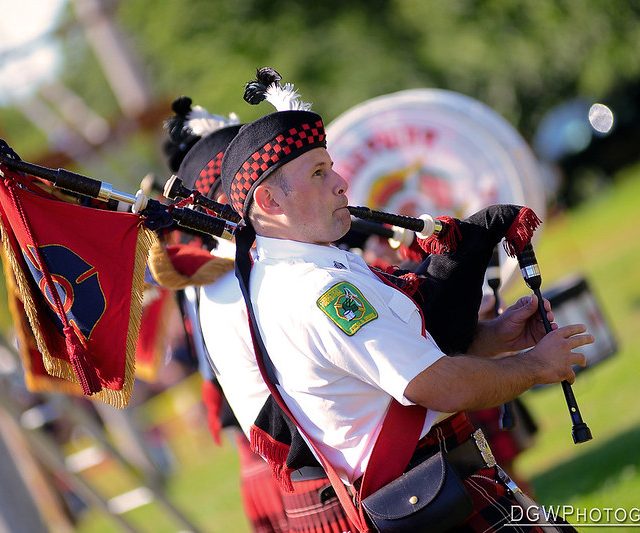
(599, 240)
(205, 483)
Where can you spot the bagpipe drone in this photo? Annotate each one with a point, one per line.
(460, 252)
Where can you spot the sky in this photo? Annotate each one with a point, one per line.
(22, 22)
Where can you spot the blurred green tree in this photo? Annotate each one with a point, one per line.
(519, 57)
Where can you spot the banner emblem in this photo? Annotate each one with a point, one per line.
(76, 283)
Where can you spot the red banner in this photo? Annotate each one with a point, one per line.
(153, 332)
(80, 275)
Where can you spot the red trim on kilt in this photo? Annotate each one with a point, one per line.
(275, 454)
(454, 431)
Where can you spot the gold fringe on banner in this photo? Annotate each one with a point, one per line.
(53, 365)
(26, 342)
(146, 239)
(24, 293)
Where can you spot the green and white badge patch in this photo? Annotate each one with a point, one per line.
(345, 305)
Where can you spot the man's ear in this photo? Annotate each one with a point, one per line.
(264, 198)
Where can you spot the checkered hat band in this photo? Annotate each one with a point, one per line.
(284, 144)
(209, 174)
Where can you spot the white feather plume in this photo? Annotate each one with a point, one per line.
(200, 122)
(285, 98)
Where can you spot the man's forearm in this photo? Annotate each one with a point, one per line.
(468, 382)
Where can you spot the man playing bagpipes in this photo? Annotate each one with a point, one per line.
(346, 354)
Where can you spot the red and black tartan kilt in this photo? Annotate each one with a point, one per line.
(261, 496)
(492, 501)
(308, 512)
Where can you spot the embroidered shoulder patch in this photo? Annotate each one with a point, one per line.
(345, 305)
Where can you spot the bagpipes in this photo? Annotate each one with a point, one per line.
(460, 252)
(452, 291)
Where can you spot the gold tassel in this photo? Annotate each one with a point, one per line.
(29, 306)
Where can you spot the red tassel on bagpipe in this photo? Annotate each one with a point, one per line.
(521, 231)
(413, 252)
(447, 241)
(411, 283)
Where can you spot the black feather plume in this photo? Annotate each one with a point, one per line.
(181, 105)
(7, 151)
(180, 139)
(255, 91)
(268, 75)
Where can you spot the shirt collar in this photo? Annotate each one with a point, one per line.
(322, 255)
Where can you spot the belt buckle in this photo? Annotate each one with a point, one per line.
(484, 448)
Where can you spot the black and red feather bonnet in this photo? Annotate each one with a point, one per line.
(268, 143)
(196, 143)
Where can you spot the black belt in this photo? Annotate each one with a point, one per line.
(310, 473)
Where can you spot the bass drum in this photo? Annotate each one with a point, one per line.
(434, 151)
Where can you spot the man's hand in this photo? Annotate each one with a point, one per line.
(468, 382)
(521, 326)
(518, 328)
(552, 358)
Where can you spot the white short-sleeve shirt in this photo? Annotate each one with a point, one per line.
(338, 386)
(225, 329)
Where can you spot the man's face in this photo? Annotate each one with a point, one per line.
(313, 199)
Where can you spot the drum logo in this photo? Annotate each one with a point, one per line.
(429, 151)
(76, 283)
